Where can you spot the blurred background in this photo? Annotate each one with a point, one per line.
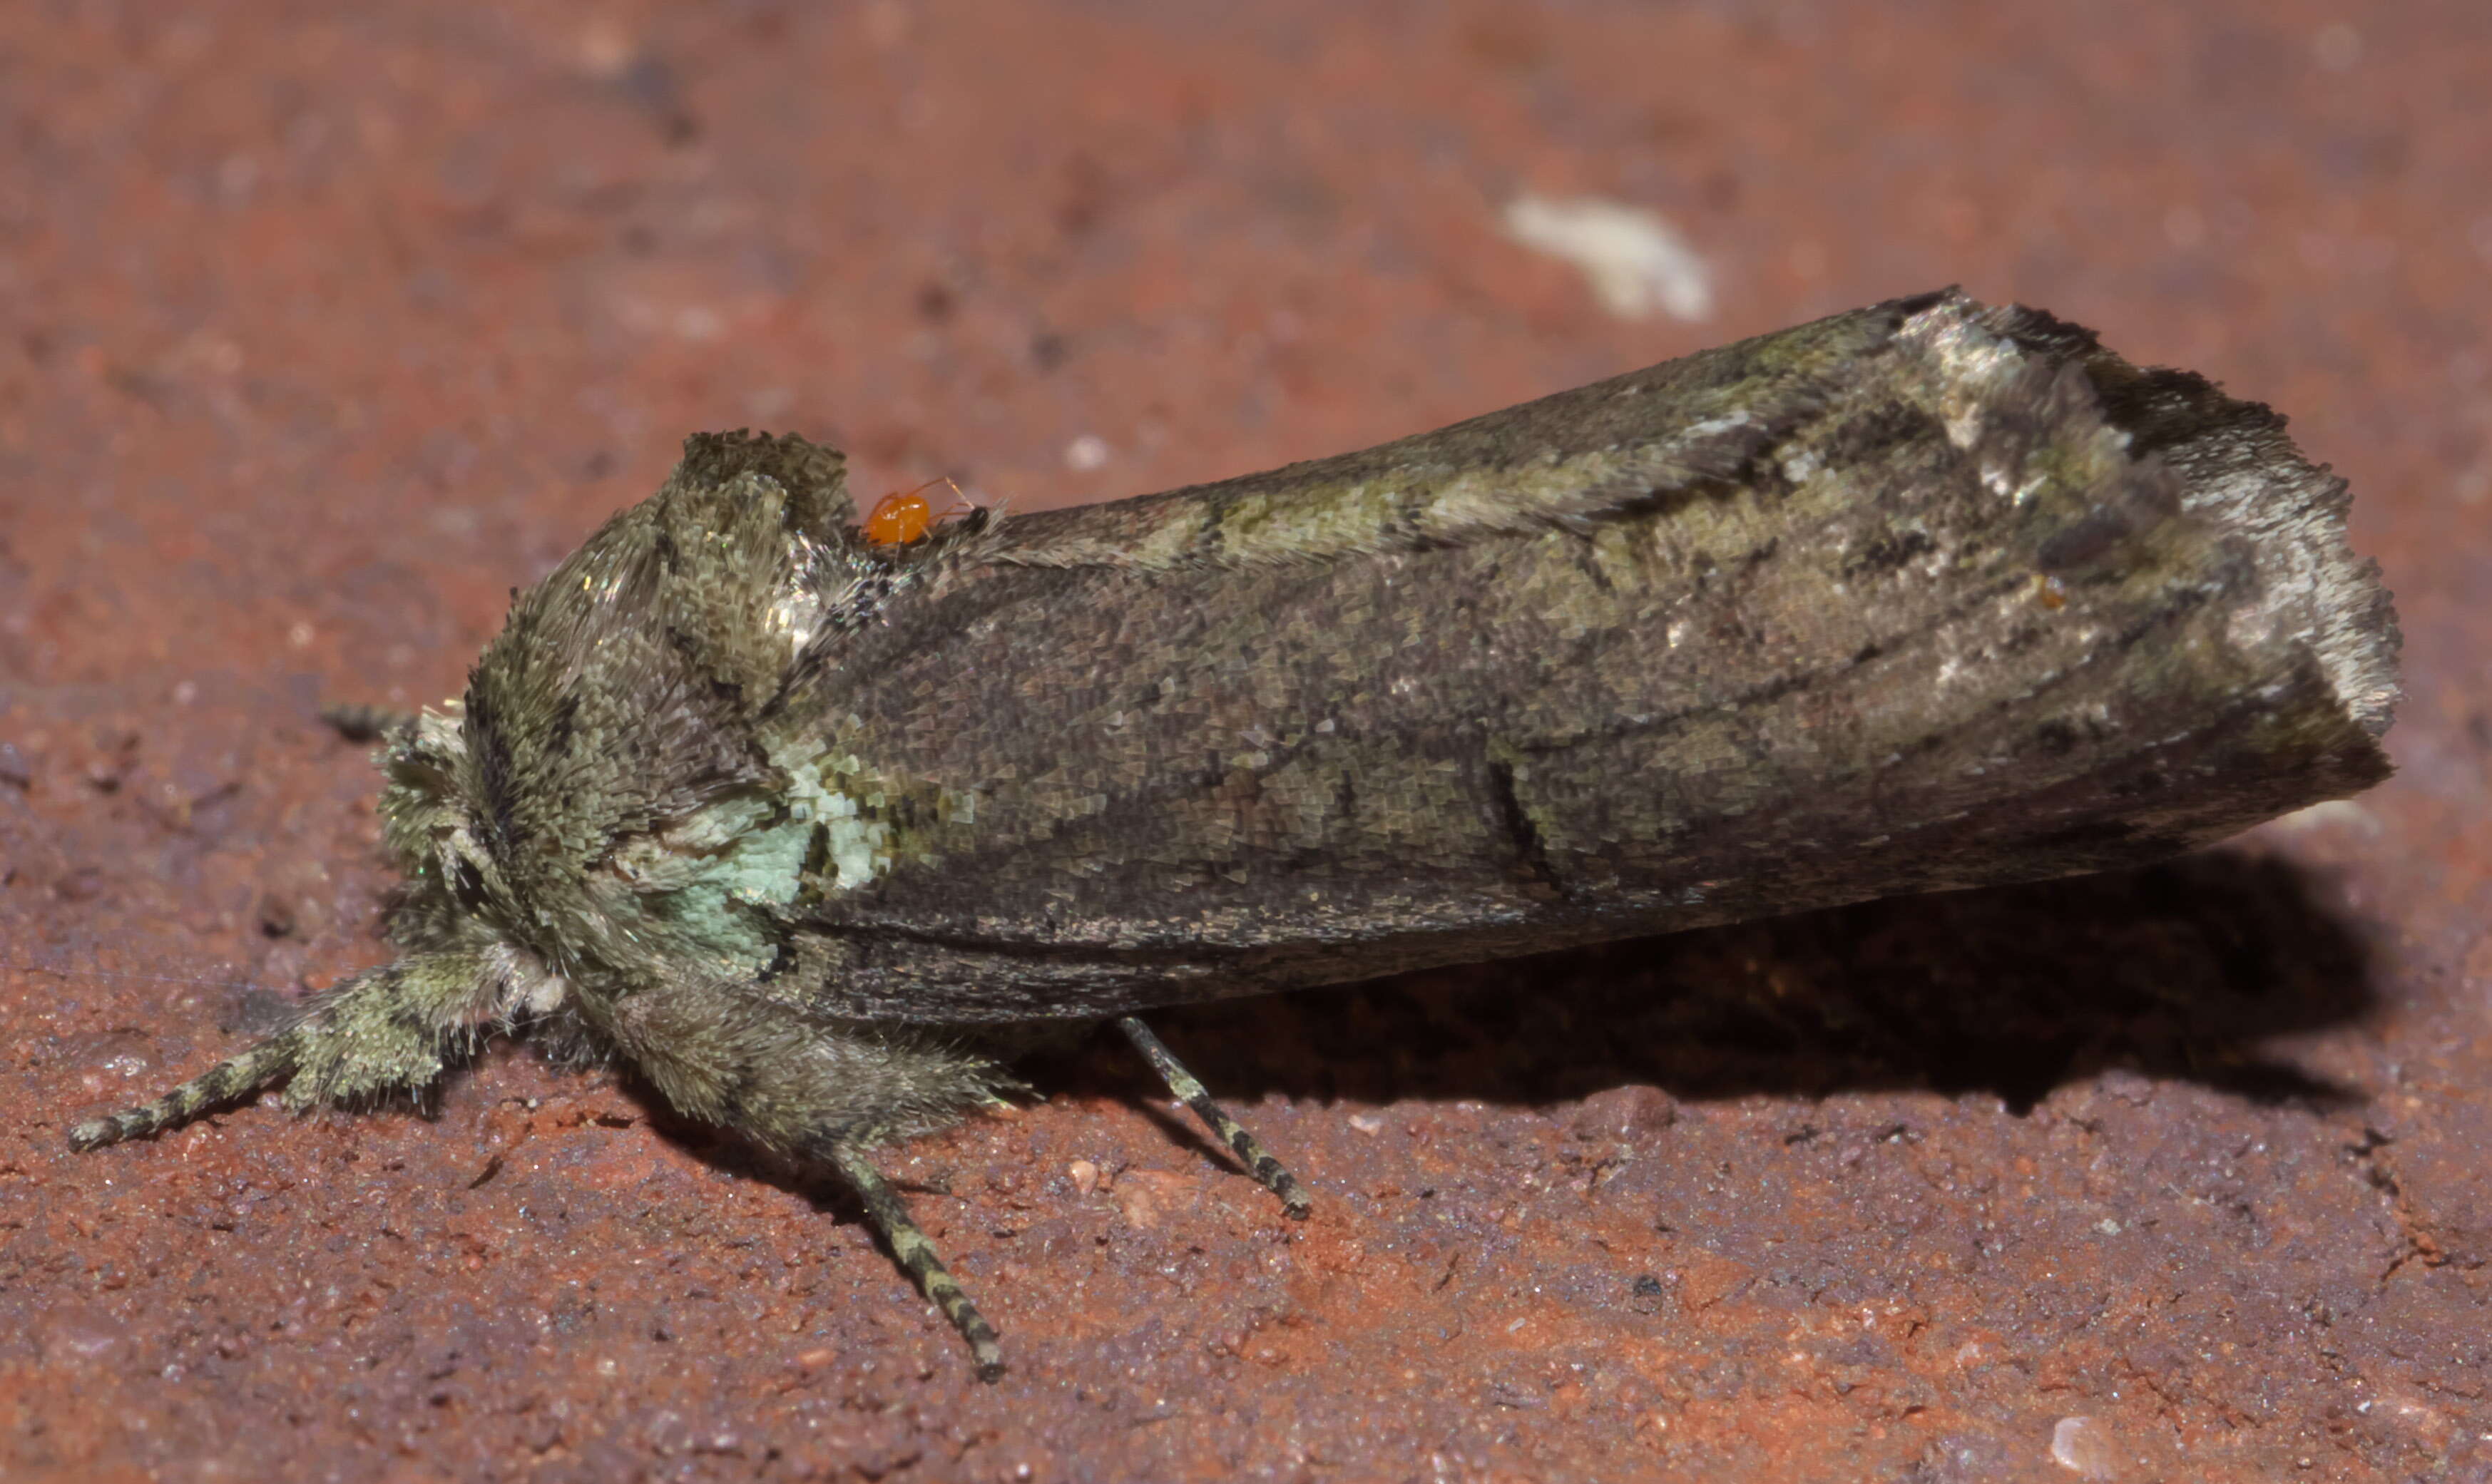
(321, 328)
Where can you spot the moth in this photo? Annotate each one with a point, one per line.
(817, 828)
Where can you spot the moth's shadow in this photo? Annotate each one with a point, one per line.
(2178, 970)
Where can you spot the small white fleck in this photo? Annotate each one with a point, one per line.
(2083, 1446)
(237, 175)
(1085, 453)
(300, 635)
(606, 49)
(186, 692)
(1636, 262)
(2337, 47)
(2339, 814)
(1366, 1123)
(2107, 1227)
(2474, 482)
(1706, 428)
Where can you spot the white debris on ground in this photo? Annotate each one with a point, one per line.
(2085, 1448)
(1086, 452)
(1636, 262)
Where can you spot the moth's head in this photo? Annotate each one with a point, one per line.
(430, 817)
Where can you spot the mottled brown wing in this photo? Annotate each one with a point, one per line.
(1925, 596)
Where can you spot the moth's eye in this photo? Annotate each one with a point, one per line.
(899, 519)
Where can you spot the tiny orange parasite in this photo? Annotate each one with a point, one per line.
(903, 516)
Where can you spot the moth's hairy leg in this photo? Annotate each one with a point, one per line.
(1190, 1090)
(360, 723)
(916, 1253)
(230, 1080)
(821, 1088)
(384, 1029)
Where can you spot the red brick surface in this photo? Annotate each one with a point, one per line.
(319, 331)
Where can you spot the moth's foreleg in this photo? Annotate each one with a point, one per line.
(235, 1078)
(385, 1030)
(916, 1253)
(1190, 1091)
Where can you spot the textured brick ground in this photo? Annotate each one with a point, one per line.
(318, 332)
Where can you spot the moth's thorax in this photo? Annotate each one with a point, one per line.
(642, 758)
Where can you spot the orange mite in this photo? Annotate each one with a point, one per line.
(903, 517)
